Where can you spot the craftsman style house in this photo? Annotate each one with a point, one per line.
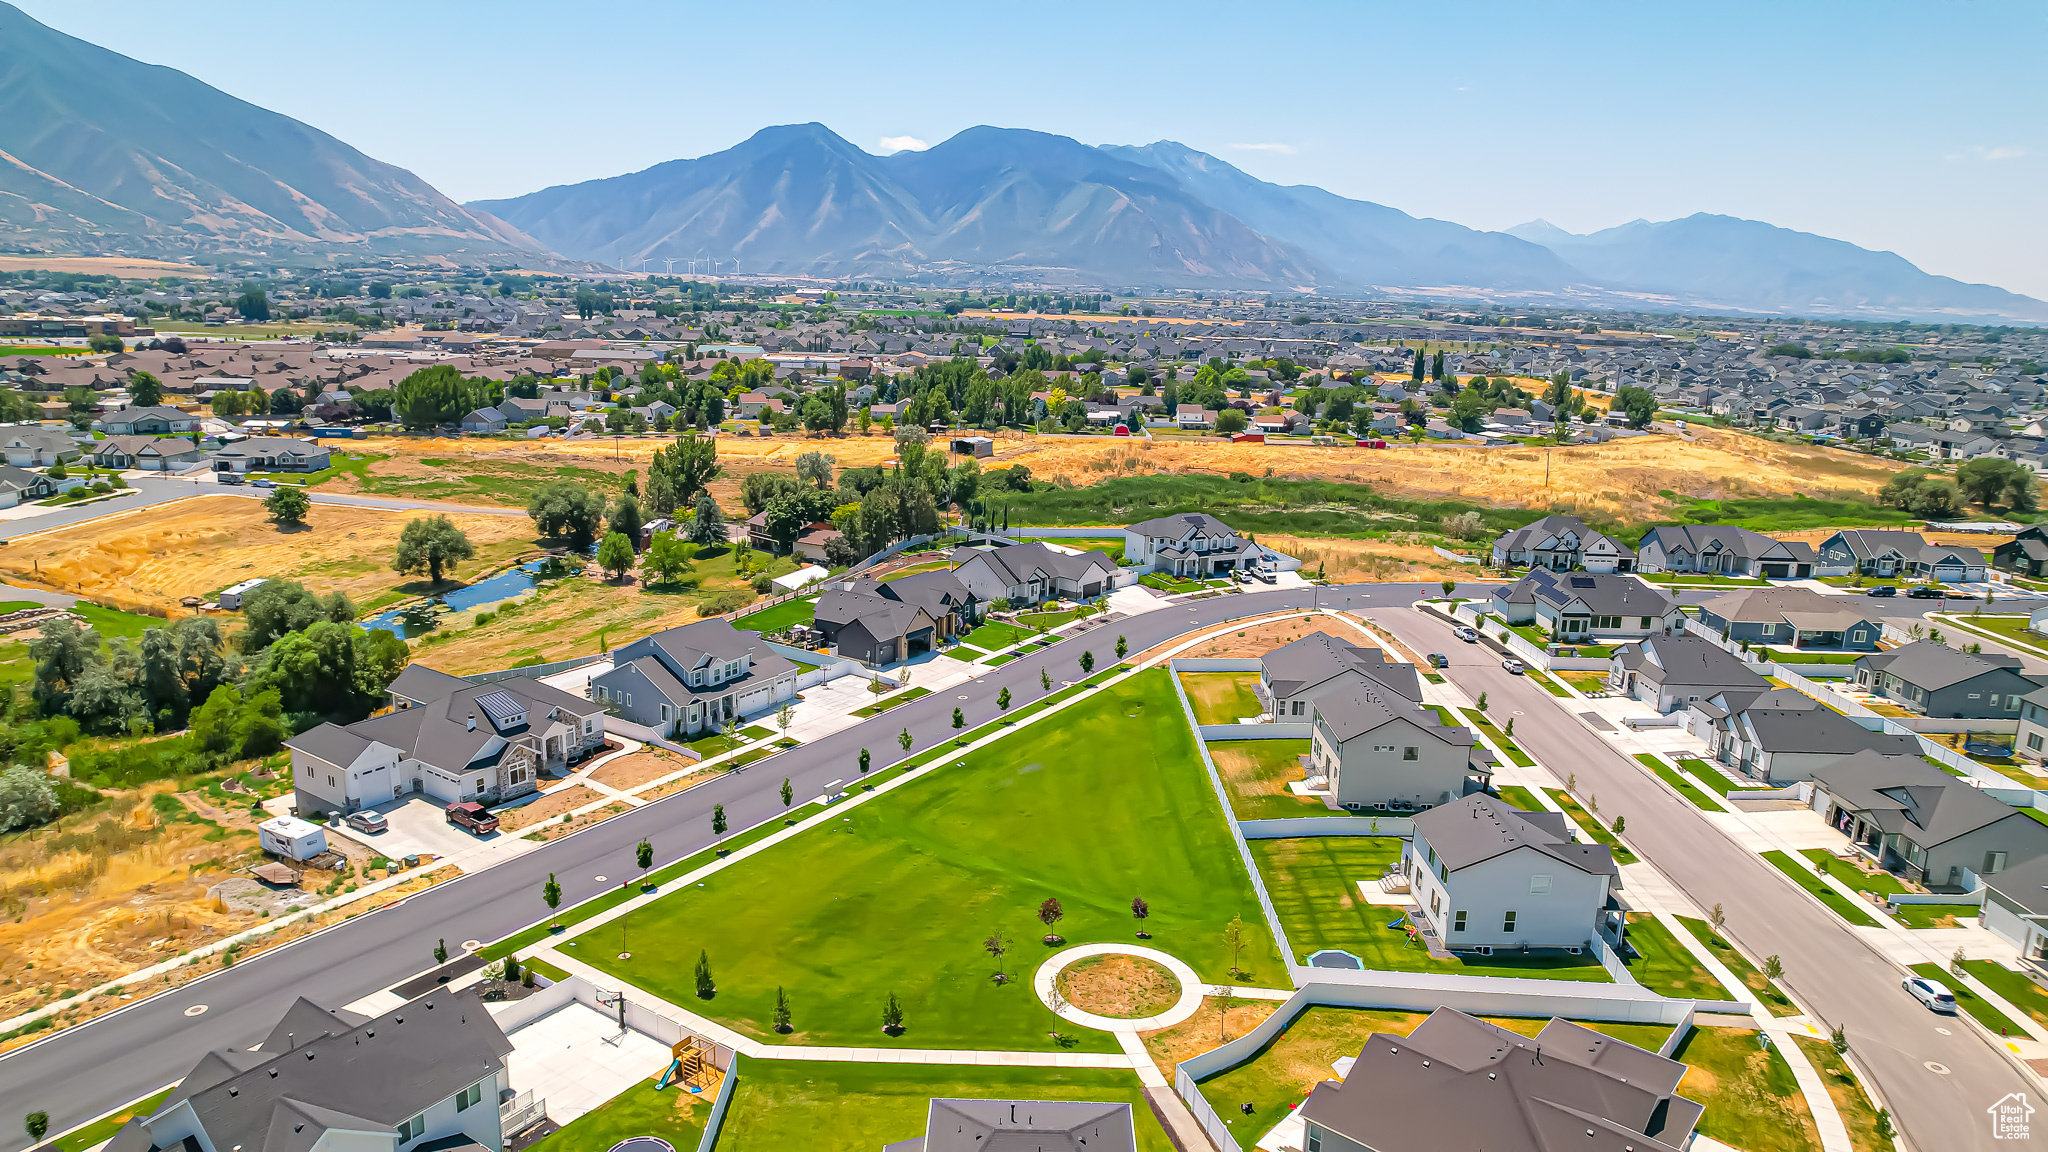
(1033, 572)
(1936, 680)
(1576, 607)
(1722, 550)
(1878, 552)
(1562, 543)
(696, 677)
(882, 622)
(1193, 544)
(1294, 675)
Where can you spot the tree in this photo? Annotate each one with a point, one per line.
(288, 505)
(1838, 1039)
(706, 986)
(815, 468)
(1087, 661)
(1044, 680)
(708, 526)
(668, 558)
(615, 555)
(27, 799)
(996, 945)
(1774, 968)
(432, 544)
(781, 1010)
(551, 893)
(959, 720)
(1482, 701)
(37, 1123)
(253, 305)
(903, 739)
(864, 761)
(1231, 420)
(627, 520)
(1122, 646)
(277, 608)
(1449, 586)
(1235, 939)
(643, 854)
(1994, 480)
(1003, 700)
(145, 389)
(105, 342)
(1718, 917)
(1139, 911)
(565, 510)
(788, 792)
(892, 1016)
(1050, 913)
(1638, 403)
(441, 951)
(718, 824)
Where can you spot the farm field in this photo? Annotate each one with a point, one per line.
(925, 874)
(156, 556)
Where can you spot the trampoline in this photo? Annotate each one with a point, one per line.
(1331, 958)
(643, 1144)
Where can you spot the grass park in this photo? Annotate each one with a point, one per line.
(1105, 804)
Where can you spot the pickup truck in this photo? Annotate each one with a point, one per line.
(472, 816)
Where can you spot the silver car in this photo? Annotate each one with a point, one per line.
(1932, 993)
(1515, 666)
(368, 821)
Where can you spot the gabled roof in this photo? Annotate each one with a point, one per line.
(1356, 706)
(1931, 666)
(1552, 532)
(330, 742)
(1908, 795)
(1603, 594)
(881, 616)
(1480, 827)
(1688, 660)
(1724, 538)
(1773, 605)
(1814, 731)
(1020, 563)
(1026, 1126)
(1177, 526)
(1317, 657)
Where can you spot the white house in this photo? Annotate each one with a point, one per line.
(1575, 606)
(1380, 750)
(1197, 544)
(1561, 543)
(1293, 676)
(1486, 876)
(1030, 572)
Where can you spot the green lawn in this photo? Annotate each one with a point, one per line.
(780, 1105)
(1712, 778)
(2018, 991)
(1704, 578)
(1685, 787)
(1507, 743)
(1850, 1099)
(1802, 656)
(2011, 629)
(1594, 828)
(1314, 885)
(1222, 697)
(1549, 685)
(113, 625)
(780, 618)
(673, 1114)
(1882, 883)
(102, 1130)
(1665, 966)
(1255, 774)
(1765, 991)
(1752, 1100)
(1106, 803)
(712, 744)
(1804, 877)
(1969, 1001)
(996, 635)
(1003, 658)
(1521, 798)
(1936, 915)
(884, 705)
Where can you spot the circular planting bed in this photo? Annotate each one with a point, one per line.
(1120, 987)
(643, 1144)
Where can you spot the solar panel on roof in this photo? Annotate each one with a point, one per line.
(1582, 582)
(501, 708)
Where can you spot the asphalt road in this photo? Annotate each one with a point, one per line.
(82, 1072)
(1830, 970)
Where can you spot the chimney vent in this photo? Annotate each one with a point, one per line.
(472, 721)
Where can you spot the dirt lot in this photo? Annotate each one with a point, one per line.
(558, 830)
(629, 772)
(1126, 987)
(1205, 1030)
(549, 807)
(572, 618)
(1256, 638)
(155, 556)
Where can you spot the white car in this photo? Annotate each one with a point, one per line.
(1466, 634)
(1932, 993)
(1515, 666)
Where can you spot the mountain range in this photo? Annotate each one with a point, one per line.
(103, 154)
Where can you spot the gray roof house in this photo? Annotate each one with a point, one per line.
(1457, 1082)
(1878, 552)
(1577, 606)
(1721, 549)
(1917, 820)
(1023, 1126)
(2016, 909)
(697, 676)
(34, 446)
(19, 484)
(1487, 876)
(1798, 617)
(1192, 544)
(158, 421)
(1936, 680)
(1672, 672)
(881, 622)
(1561, 543)
(447, 738)
(427, 1075)
(1785, 741)
(271, 453)
(151, 453)
(1380, 750)
(1031, 572)
(1293, 675)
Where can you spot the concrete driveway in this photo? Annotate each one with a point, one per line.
(418, 824)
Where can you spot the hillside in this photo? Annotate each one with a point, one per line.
(102, 154)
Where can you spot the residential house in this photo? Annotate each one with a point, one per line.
(1194, 416)
(815, 542)
(1378, 749)
(2016, 910)
(1023, 1126)
(881, 622)
(34, 446)
(1457, 1082)
(1561, 543)
(1576, 607)
(484, 420)
(1936, 680)
(271, 454)
(695, 677)
(1032, 572)
(1294, 675)
(146, 422)
(1783, 738)
(426, 1075)
(2031, 742)
(447, 738)
(1486, 877)
(149, 453)
(1877, 552)
(1672, 672)
(1914, 819)
(1195, 544)
(1799, 617)
(1723, 550)
(2026, 553)
(19, 485)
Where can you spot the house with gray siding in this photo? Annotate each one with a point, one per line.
(1784, 741)
(1575, 607)
(1936, 680)
(2016, 910)
(1930, 827)
(1889, 552)
(1294, 675)
(1380, 750)
(1792, 617)
(1562, 543)
(1031, 572)
(1722, 550)
(1485, 876)
(696, 677)
(1673, 672)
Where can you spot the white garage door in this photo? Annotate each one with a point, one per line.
(759, 698)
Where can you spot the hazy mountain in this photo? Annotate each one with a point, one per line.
(1366, 243)
(800, 199)
(1725, 262)
(103, 154)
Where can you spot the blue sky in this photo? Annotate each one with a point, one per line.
(1913, 128)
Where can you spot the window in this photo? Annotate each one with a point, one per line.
(1300, 707)
(1994, 862)
(1539, 885)
(1410, 753)
(1458, 921)
(330, 781)
(1507, 922)
(1315, 1139)
(664, 713)
(1979, 696)
(1383, 747)
(589, 726)
(2034, 742)
(469, 1097)
(1436, 903)
(1648, 621)
(1430, 853)
(412, 1129)
(1856, 636)
(629, 699)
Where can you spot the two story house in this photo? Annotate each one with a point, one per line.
(2025, 554)
(1577, 606)
(695, 677)
(1032, 572)
(1380, 750)
(1486, 876)
(1294, 675)
(1194, 544)
(1562, 543)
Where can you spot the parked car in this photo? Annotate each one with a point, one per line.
(473, 816)
(228, 478)
(1884, 590)
(1923, 592)
(1515, 666)
(368, 821)
(259, 482)
(1468, 635)
(1439, 660)
(1932, 993)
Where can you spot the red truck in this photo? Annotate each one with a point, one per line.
(1248, 438)
(473, 816)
